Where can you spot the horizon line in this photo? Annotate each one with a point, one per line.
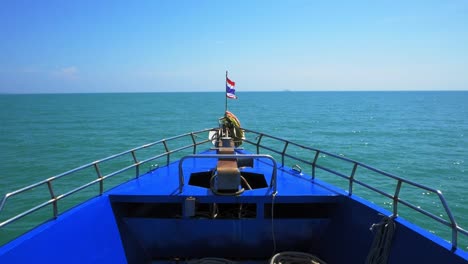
(250, 91)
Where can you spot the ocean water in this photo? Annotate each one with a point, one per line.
(420, 136)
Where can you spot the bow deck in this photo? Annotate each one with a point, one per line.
(179, 211)
(165, 181)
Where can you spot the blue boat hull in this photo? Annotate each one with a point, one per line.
(165, 216)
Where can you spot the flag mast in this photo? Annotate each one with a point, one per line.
(225, 95)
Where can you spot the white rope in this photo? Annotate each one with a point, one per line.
(246, 183)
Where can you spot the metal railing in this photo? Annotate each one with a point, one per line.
(193, 136)
(229, 156)
(452, 224)
(54, 198)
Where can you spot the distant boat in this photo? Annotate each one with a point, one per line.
(225, 195)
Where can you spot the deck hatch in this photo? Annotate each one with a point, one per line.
(255, 180)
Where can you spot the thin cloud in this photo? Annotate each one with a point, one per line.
(66, 73)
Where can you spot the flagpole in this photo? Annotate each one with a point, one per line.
(225, 93)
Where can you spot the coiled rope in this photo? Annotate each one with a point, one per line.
(287, 257)
(380, 249)
(293, 257)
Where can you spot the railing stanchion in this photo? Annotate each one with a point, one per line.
(101, 180)
(167, 151)
(453, 223)
(282, 154)
(317, 153)
(395, 198)
(194, 143)
(137, 164)
(258, 143)
(351, 179)
(54, 198)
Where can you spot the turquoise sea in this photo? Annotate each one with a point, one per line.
(421, 136)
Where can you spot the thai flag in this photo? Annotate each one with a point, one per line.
(230, 91)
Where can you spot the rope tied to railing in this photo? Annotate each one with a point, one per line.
(380, 249)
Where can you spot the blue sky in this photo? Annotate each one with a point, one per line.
(151, 46)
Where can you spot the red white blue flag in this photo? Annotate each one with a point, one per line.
(230, 91)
